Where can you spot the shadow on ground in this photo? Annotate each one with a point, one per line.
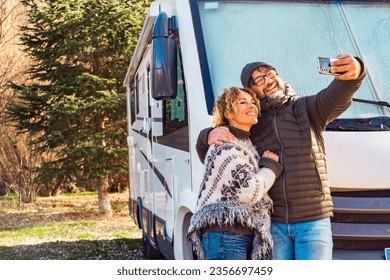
(113, 249)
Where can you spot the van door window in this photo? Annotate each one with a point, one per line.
(174, 117)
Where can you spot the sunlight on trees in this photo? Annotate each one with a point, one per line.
(71, 108)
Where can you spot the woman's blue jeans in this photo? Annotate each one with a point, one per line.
(226, 246)
(303, 241)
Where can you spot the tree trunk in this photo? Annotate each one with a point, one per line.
(56, 190)
(104, 200)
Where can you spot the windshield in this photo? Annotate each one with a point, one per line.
(290, 35)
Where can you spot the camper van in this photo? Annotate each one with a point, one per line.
(190, 50)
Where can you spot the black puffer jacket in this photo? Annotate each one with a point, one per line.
(294, 130)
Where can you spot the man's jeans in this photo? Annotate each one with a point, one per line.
(226, 246)
(303, 241)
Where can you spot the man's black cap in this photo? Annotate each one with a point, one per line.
(246, 73)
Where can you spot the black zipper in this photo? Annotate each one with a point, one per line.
(281, 159)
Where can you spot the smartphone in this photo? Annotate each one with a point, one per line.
(324, 65)
(387, 254)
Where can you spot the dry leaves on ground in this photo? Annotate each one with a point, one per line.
(68, 228)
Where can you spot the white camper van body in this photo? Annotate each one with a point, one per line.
(213, 40)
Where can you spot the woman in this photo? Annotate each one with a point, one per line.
(232, 215)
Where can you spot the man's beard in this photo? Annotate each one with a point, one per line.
(278, 94)
(278, 97)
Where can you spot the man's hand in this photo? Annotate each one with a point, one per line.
(346, 67)
(219, 134)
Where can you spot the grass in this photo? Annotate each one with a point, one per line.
(68, 228)
(80, 194)
(8, 197)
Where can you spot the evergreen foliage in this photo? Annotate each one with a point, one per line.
(75, 104)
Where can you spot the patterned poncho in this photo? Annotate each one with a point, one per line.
(234, 191)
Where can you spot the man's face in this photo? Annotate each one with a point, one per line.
(267, 83)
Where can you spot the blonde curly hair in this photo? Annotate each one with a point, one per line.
(226, 102)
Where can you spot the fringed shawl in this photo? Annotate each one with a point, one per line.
(232, 176)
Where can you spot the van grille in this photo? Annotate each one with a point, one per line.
(361, 224)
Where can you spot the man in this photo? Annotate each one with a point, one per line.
(293, 127)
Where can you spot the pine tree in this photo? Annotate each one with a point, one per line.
(75, 106)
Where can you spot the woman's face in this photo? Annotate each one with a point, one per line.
(245, 112)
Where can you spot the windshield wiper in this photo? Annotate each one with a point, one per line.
(379, 103)
(367, 124)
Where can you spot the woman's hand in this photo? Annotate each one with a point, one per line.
(271, 155)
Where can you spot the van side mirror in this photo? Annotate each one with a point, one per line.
(164, 60)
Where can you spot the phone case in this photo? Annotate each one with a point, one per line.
(324, 65)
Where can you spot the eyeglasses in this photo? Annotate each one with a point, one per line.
(260, 80)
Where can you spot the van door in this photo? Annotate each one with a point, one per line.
(170, 141)
(141, 131)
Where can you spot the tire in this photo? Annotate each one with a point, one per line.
(148, 250)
